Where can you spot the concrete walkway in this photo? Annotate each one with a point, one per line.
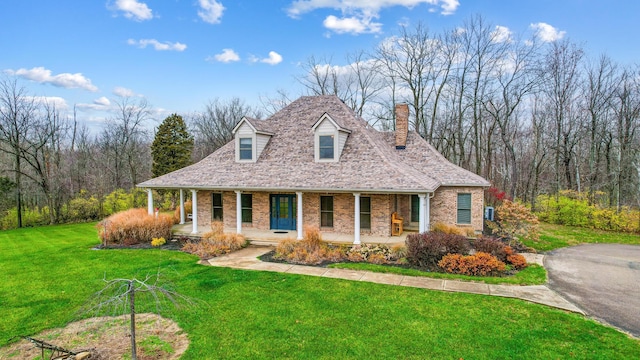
(247, 259)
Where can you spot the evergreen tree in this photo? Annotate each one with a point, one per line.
(172, 146)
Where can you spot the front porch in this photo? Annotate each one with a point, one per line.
(273, 237)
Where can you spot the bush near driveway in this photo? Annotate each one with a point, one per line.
(425, 250)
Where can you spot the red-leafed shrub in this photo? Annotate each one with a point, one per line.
(495, 196)
(134, 226)
(426, 249)
(479, 264)
(517, 261)
(492, 246)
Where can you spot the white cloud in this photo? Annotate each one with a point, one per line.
(226, 56)
(123, 92)
(103, 100)
(273, 59)
(353, 25)
(501, 34)
(166, 46)
(100, 104)
(64, 80)
(210, 11)
(55, 101)
(449, 6)
(546, 32)
(133, 9)
(358, 14)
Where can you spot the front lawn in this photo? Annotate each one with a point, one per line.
(49, 272)
(559, 236)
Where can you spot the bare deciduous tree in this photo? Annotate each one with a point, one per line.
(119, 296)
(213, 126)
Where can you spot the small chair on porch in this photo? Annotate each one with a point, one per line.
(396, 224)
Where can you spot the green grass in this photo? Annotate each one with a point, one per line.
(531, 275)
(559, 236)
(49, 272)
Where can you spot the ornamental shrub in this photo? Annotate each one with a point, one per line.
(134, 226)
(373, 253)
(491, 246)
(83, 207)
(517, 261)
(514, 221)
(479, 264)
(426, 249)
(311, 250)
(215, 243)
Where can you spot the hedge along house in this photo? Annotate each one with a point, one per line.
(316, 163)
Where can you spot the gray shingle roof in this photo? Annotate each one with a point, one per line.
(369, 160)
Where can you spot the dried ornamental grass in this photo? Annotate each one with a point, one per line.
(134, 226)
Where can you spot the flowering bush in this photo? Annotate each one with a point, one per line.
(158, 241)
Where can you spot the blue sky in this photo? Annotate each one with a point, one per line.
(179, 54)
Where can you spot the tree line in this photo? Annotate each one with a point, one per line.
(532, 117)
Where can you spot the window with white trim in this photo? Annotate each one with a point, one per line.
(326, 147)
(246, 149)
(464, 209)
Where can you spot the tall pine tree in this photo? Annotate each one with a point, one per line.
(172, 146)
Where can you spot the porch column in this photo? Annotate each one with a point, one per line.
(422, 223)
(427, 212)
(181, 206)
(194, 211)
(150, 201)
(238, 212)
(299, 214)
(356, 219)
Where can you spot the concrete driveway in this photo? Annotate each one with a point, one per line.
(602, 279)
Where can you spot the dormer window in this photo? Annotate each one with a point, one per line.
(326, 149)
(251, 138)
(329, 139)
(246, 149)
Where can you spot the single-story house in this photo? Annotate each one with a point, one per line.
(315, 162)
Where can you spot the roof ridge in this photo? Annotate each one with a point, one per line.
(383, 154)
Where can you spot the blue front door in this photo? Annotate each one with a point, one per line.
(283, 212)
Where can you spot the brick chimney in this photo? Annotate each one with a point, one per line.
(402, 125)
